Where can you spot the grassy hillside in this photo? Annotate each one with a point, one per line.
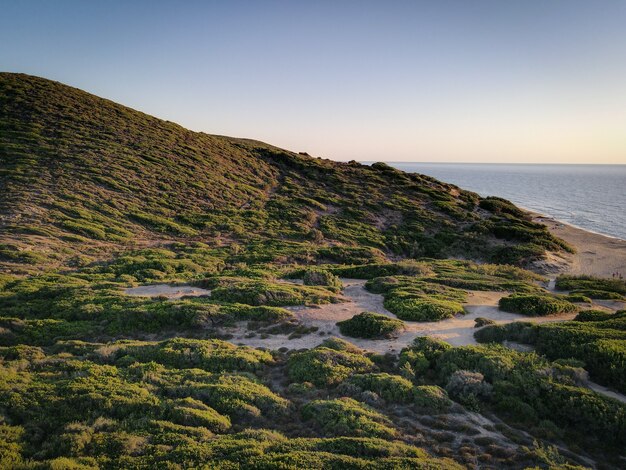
(82, 177)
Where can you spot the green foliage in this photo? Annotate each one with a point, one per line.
(397, 389)
(500, 206)
(259, 292)
(536, 305)
(191, 412)
(347, 417)
(522, 383)
(594, 315)
(323, 366)
(209, 355)
(591, 283)
(320, 277)
(370, 271)
(370, 325)
(418, 308)
(392, 388)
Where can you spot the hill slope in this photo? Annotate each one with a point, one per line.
(81, 177)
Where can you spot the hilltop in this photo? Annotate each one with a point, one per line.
(82, 177)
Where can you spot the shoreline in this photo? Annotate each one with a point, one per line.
(540, 215)
(596, 254)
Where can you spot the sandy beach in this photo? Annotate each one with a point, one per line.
(596, 254)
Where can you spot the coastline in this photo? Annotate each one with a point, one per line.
(596, 254)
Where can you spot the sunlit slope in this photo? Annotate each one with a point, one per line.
(82, 177)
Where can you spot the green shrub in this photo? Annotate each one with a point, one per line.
(577, 298)
(422, 309)
(274, 294)
(323, 366)
(210, 355)
(469, 388)
(347, 417)
(321, 277)
(431, 397)
(535, 305)
(370, 271)
(501, 206)
(191, 412)
(391, 388)
(594, 315)
(597, 294)
(370, 325)
(590, 283)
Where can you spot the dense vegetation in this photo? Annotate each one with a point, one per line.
(598, 339)
(593, 287)
(96, 198)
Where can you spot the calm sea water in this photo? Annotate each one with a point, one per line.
(592, 197)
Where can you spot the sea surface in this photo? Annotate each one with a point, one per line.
(592, 197)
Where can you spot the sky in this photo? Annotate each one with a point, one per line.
(536, 81)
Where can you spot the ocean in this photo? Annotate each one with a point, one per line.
(592, 197)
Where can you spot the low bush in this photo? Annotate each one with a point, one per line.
(370, 325)
(370, 271)
(259, 292)
(431, 397)
(321, 277)
(392, 388)
(590, 283)
(594, 315)
(469, 388)
(422, 309)
(323, 366)
(577, 298)
(183, 353)
(347, 417)
(481, 321)
(597, 294)
(535, 305)
(191, 412)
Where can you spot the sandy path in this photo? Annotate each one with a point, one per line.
(458, 331)
(166, 290)
(596, 255)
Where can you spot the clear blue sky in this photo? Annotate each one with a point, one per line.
(480, 80)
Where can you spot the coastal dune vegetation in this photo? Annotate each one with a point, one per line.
(98, 199)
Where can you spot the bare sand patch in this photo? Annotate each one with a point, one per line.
(166, 290)
(458, 331)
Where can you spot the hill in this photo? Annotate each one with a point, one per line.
(82, 177)
(172, 299)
